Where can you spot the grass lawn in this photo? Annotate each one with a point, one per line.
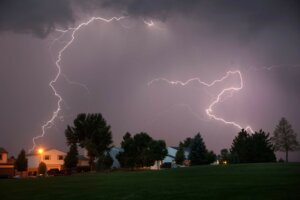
(243, 181)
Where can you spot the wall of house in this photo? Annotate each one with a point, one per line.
(52, 162)
(3, 158)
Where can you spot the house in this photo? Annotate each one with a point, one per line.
(82, 161)
(53, 158)
(6, 167)
(170, 157)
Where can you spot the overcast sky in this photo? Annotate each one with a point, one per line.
(108, 66)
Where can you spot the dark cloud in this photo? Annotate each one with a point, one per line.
(34, 16)
(41, 17)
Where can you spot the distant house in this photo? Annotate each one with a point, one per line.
(6, 167)
(170, 157)
(53, 158)
(83, 161)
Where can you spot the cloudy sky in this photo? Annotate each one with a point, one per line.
(108, 66)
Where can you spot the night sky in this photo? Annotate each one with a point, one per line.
(108, 66)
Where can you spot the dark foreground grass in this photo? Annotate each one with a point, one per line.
(249, 181)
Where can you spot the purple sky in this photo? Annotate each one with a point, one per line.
(116, 60)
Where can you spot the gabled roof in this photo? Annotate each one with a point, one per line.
(2, 150)
(82, 157)
(45, 150)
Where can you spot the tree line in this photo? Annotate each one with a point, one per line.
(91, 132)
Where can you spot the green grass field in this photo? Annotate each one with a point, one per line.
(244, 181)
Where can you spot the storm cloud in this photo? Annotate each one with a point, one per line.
(42, 17)
(115, 61)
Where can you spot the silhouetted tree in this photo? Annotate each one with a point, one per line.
(91, 132)
(180, 157)
(21, 162)
(158, 150)
(141, 150)
(241, 147)
(262, 149)
(210, 157)
(253, 148)
(128, 156)
(186, 143)
(42, 169)
(71, 159)
(198, 151)
(285, 139)
(105, 162)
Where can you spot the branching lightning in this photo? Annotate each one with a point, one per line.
(73, 32)
(218, 99)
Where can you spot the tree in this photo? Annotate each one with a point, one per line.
(105, 162)
(253, 148)
(71, 159)
(141, 150)
(210, 157)
(21, 162)
(180, 157)
(91, 132)
(42, 168)
(158, 150)
(186, 143)
(241, 147)
(285, 139)
(262, 150)
(127, 157)
(198, 151)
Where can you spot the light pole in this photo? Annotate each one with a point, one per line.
(40, 151)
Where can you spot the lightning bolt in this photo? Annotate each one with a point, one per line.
(218, 99)
(149, 23)
(73, 31)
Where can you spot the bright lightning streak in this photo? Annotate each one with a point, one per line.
(149, 23)
(209, 110)
(55, 113)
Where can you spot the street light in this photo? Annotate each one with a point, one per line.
(40, 151)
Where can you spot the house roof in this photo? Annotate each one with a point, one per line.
(2, 150)
(45, 150)
(82, 157)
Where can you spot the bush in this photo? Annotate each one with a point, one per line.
(42, 168)
(166, 165)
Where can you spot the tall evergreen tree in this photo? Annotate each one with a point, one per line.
(180, 157)
(252, 148)
(262, 150)
(241, 147)
(71, 159)
(198, 151)
(284, 138)
(21, 162)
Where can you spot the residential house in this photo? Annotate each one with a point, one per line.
(170, 157)
(6, 167)
(53, 158)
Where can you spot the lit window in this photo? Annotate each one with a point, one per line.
(47, 157)
(60, 157)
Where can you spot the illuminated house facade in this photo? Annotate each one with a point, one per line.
(53, 158)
